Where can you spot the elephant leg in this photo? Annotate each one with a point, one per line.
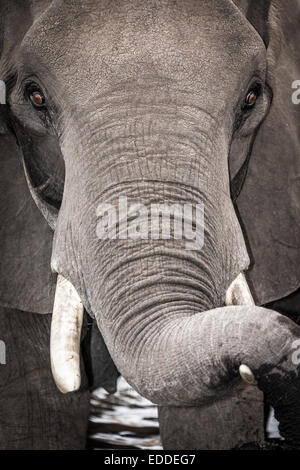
(33, 413)
(238, 419)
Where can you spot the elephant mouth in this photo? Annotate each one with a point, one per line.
(67, 322)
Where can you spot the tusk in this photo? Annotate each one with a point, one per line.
(65, 336)
(247, 374)
(238, 293)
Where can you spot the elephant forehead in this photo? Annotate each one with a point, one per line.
(100, 42)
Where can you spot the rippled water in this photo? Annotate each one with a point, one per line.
(124, 420)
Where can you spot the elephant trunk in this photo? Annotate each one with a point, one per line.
(192, 360)
(66, 331)
(158, 302)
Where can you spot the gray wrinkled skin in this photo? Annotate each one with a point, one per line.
(145, 100)
(34, 414)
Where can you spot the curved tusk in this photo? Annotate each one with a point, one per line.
(238, 293)
(65, 336)
(247, 375)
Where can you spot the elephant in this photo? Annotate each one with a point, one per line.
(169, 102)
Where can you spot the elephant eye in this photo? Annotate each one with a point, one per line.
(251, 99)
(36, 97)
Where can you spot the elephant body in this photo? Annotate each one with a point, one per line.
(34, 414)
(158, 102)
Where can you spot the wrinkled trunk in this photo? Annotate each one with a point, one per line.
(193, 360)
(159, 305)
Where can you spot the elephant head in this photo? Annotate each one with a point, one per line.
(155, 103)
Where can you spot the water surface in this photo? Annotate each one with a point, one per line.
(124, 420)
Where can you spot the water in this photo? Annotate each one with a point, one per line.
(124, 420)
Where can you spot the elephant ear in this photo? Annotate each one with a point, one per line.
(25, 238)
(269, 203)
(26, 280)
